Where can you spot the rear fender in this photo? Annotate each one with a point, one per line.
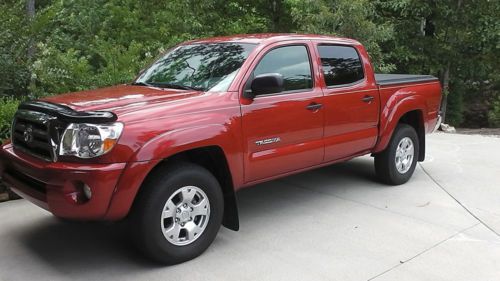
(399, 104)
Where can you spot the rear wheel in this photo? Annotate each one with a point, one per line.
(396, 164)
(178, 213)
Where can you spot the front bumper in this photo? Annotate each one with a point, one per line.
(56, 186)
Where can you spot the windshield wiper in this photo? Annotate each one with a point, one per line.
(168, 85)
(176, 86)
(142, 84)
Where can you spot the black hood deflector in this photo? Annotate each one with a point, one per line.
(67, 114)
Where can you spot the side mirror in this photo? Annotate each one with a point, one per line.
(268, 83)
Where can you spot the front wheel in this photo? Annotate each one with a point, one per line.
(178, 213)
(396, 164)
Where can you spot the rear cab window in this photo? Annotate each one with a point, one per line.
(341, 65)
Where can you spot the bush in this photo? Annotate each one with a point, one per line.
(8, 107)
(60, 72)
(455, 109)
(14, 64)
(494, 114)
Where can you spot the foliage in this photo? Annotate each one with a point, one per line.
(455, 108)
(14, 65)
(456, 40)
(94, 43)
(348, 18)
(494, 114)
(82, 44)
(8, 107)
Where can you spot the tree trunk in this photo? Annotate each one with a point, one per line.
(30, 8)
(275, 17)
(445, 78)
(445, 81)
(30, 13)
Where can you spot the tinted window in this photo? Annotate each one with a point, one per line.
(292, 62)
(341, 65)
(210, 67)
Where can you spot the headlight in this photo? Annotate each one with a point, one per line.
(89, 140)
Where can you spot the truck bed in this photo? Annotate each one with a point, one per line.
(390, 79)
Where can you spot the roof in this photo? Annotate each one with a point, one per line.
(258, 38)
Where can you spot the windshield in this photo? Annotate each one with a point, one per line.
(206, 67)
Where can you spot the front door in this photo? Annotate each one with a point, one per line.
(283, 131)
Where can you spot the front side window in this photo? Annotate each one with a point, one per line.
(341, 65)
(206, 67)
(292, 62)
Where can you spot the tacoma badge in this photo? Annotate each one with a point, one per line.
(268, 141)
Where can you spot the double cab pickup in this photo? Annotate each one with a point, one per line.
(168, 152)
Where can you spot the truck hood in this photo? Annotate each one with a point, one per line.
(122, 99)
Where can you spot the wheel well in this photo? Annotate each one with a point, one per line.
(416, 120)
(213, 159)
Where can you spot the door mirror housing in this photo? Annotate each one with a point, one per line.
(263, 84)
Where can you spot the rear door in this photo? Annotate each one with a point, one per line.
(351, 101)
(283, 131)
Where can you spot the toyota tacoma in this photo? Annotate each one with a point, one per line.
(167, 152)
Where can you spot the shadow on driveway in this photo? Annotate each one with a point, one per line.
(89, 248)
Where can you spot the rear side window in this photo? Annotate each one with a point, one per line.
(290, 61)
(341, 65)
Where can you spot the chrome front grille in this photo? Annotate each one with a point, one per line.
(31, 134)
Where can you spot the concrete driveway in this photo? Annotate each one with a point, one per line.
(335, 223)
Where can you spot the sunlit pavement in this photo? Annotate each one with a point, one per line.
(335, 223)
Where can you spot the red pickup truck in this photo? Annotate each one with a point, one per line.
(209, 117)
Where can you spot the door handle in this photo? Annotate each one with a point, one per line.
(368, 99)
(314, 106)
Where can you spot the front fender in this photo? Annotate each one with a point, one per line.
(178, 140)
(164, 146)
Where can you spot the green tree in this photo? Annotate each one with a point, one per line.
(81, 44)
(94, 43)
(14, 63)
(348, 18)
(454, 39)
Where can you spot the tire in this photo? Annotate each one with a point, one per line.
(385, 162)
(175, 185)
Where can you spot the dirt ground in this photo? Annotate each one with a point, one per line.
(480, 131)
